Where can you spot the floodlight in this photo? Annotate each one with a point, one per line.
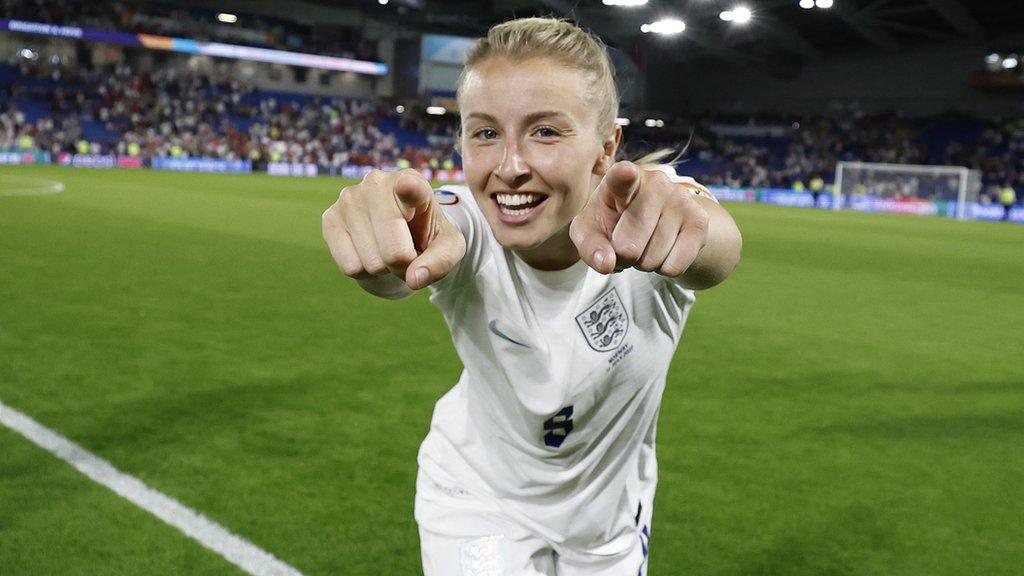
(665, 26)
(741, 15)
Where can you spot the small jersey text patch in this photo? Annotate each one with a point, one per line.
(483, 556)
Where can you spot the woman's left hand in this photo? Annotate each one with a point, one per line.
(640, 218)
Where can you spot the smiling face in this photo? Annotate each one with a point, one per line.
(532, 153)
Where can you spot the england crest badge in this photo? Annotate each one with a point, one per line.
(605, 323)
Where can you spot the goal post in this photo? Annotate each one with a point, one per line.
(907, 188)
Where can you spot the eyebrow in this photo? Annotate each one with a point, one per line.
(530, 118)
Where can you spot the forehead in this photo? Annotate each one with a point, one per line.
(507, 89)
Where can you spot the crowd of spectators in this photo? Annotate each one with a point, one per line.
(169, 19)
(802, 150)
(172, 113)
(812, 147)
(998, 152)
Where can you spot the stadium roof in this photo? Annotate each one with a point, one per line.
(780, 31)
(779, 28)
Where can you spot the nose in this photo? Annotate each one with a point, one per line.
(513, 170)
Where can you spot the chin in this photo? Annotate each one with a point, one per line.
(516, 239)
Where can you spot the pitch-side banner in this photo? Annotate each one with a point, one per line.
(202, 165)
(23, 157)
(900, 206)
(195, 47)
(288, 169)
(726, 194)
(87, 160)
(787, 197)
(994, 212)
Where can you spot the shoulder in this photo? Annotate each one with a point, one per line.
(459, 205)
(693, 186)
(686, 182)
(452, 195)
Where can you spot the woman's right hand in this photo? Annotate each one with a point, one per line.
(391, 224)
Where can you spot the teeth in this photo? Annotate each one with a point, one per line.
(514, 212)
(516, 199)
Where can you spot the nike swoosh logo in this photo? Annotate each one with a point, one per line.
(493, 325)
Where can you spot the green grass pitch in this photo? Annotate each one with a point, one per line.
(850, 402)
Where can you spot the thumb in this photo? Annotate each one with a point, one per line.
(415, 199)
(619, 185)
(445, 251)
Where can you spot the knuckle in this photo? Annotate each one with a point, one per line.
(671, 269)
(351, 268)
(701, 220)
(680, 199)
(411, 172)
(348, 197)
(377, 182)
(375, 266)
(576, 232)
(444, 263)
(329, 216)
(396, 257)
(646, 264)
(630, 253)
(659, 178)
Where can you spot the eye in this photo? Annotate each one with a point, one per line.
(486, 134)
(546, 132)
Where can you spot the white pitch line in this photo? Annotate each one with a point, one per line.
(44, 187)
(234, 549)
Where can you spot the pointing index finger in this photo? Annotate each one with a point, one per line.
(413, 194)
(620, 184)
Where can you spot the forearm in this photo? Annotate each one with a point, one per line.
(720, 254)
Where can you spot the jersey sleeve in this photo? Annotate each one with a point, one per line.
(461, 208)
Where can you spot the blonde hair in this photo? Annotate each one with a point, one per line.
(560, 40)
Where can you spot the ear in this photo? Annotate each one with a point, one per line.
(609, 146)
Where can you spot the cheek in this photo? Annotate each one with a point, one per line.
(476, 164)
(575, 201)
(571, 179)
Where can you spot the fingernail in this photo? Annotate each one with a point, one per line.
(422, 274)
(599, 258)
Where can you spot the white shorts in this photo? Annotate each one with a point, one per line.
(461, 535)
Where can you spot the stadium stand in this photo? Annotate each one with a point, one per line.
(115, 110)
(59, 108)
(811, 147)
(191, 22)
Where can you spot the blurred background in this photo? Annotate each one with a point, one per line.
(851, 401)
(768, 95)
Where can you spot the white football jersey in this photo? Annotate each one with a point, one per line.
(553, 419)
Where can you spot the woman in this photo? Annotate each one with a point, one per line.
(565, 279)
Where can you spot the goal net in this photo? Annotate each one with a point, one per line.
(906, 188)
